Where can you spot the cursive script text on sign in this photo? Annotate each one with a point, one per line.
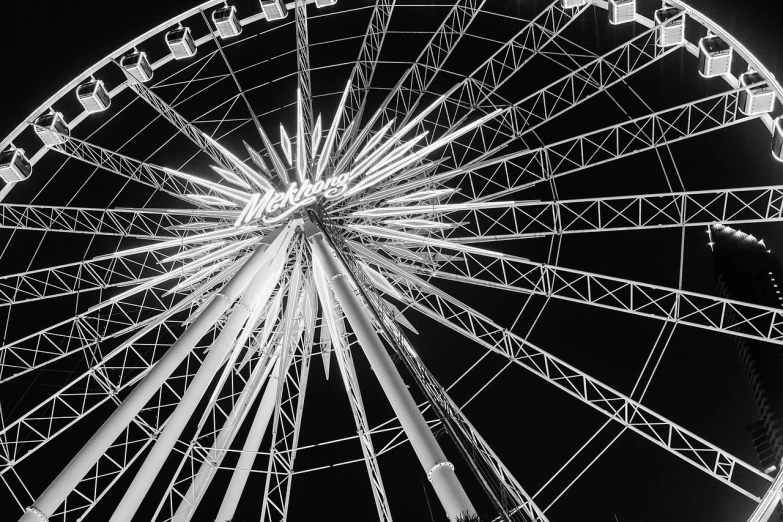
(274, 206)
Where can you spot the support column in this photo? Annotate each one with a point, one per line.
(250, 448)
(256, 294)
(203, 477)
(438, 469)
(81, 464)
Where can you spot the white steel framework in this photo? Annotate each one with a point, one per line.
(171, 271)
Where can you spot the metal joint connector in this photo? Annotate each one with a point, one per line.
(32, 509)
(437, 465)
(249, 311)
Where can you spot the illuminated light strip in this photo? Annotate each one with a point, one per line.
(207, 236)
(280, 168)
(382, 175)
(198, 276)
(214, 201)
(398, 189)
(256, 158)
(317, 135)
(231, 177)
(200, 225)
(396, 153)
(383, 149)
(218, 254)
(252, 175)
(344, 138)
(391, 169)
(234, 194)
(426, 209)
(397, 235)
(389, 158)
(375, 139)
(193, 252)
(379, 281)
(419, 223)
(285, 144)
(423, 195)
(367, 164)
(323, 161)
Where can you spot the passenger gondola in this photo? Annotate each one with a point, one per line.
(621, 11)
(137, 65)
(672, 30)
(181, 43)
(52, 129)
(758, 99)
(274, 9)
(93, 96)
(714, 57)
(14, 165)
(226, 21)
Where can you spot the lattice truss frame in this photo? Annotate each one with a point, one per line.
(168, 265)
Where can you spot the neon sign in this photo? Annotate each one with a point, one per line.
(274, 206)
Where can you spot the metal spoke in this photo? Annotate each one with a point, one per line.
(185, 127)
(509, 220)
(501, 271)
(364, 70)
(334, 319)
(406, 95)
(153, 224)
(651, 425)
(148, 174)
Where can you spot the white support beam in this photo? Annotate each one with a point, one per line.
(333, 317)
(152, 224)
(70, 476)
(439, 470)
(651, 425)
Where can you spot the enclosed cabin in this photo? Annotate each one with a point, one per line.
(137, 65)
(52, 129)
(570, 4)
(181, 43)
(621, 11)
(714, 56)
(93, 96)
(274, 9)
(324, 3)
(227, 22)
(14, 165)
(777, 138)
(754, 98)
(672, 30)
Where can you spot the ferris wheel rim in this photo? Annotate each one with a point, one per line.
(119, 52)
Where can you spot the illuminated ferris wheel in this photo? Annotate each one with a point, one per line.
(248, 192)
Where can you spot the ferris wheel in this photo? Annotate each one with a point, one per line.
(375, 215)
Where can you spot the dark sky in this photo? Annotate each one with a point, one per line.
(533, 427)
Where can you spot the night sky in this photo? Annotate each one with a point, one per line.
(533, 427)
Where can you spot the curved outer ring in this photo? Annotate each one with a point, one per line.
(692, 13)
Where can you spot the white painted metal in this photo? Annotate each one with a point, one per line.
(255, 294)
(105, 436)
(433, 461)
(446, 222)
(250, 448)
